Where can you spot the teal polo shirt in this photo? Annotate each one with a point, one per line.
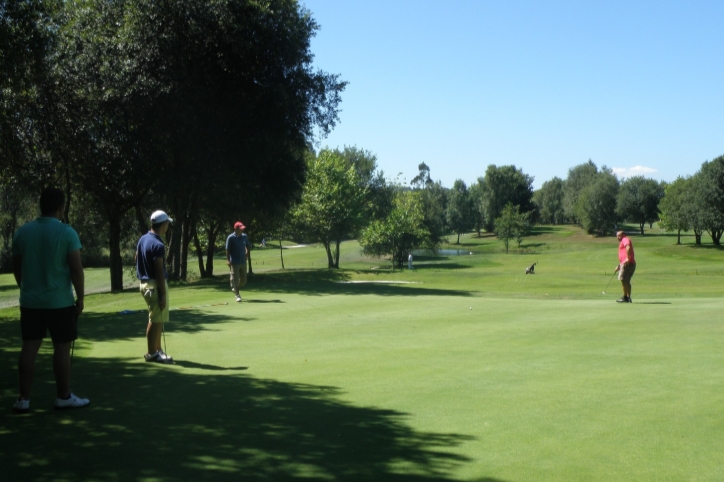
(43, 246)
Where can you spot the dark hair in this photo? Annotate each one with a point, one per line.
(51, 199)
(156, 226)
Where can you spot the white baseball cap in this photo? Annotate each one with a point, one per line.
(159, 216)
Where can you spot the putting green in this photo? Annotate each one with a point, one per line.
(472, 372)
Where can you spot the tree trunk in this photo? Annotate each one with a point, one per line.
(327, 248)
(336, 253)
(281, 250)
(199, 254)
(249, 269)
(458, 239)
(716, 236)
(211, 233)
(186, 235)
(141, 220)
(114, 241)
(641, 227)
(678, 237)
(174, 249)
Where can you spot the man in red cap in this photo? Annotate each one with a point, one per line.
(237, 247)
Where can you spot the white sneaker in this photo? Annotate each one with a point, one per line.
(71, 402)
(164, 358)
(21, 406)
(238, 299)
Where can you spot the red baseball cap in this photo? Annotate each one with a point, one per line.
(239, 224)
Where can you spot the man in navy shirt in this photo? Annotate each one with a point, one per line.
(237, 247)
(151, 271)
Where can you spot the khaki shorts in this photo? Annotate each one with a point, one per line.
(237, 273)
(626, 272)
(150, 294)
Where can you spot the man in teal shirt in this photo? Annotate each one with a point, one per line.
(47, 266)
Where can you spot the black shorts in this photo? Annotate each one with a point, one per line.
(62, 323)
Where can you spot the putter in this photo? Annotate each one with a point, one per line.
(609, 282)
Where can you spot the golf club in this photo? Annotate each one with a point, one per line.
(163, 333)
(609, 282)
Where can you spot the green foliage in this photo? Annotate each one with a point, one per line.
(676, 207)
(503, 185)
(380, 193)
(460, 212)
(579, 177)
(181, 105)
(511, 225)
(477, 199)
(17, 207)
(596, 204)
(332, 202)
(434, 199)
(400, 233)
(710, 197)
(638, 200)
(550, 200)
(422, 180)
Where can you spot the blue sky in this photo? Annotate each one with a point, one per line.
(637, 86)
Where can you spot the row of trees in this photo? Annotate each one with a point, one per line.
(597, 200)
(696, 203)
(206, 109)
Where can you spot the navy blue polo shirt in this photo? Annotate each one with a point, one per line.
(150, 248)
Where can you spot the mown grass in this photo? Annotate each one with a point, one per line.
(470, 370)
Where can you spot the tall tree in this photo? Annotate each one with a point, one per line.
(550, 200)
(638, 200)
(401, 232)
(579, 177)
(434, 199)
(332, 203)
(459, 213)
(423, 178)
(710, 194)
(503, 185)
(511, 225)
(676, 207)
(180, 98)
(477, 199)
(596, 204)
(380, 193)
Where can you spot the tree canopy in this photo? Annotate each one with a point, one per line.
(503, 185)
(332, 202)
(401, 232)
(638, 200)
(175, 102)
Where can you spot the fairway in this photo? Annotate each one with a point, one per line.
(469, 370)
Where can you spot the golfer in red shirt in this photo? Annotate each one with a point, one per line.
(626, 266)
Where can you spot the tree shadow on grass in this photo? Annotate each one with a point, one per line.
(329, 282)
(115, 326)
(153, 422)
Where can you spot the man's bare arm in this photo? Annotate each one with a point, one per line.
(77, 278)
(18, 268)
(160, 282)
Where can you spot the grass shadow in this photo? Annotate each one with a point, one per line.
(316, 282)
(116, 326)
(153, 422)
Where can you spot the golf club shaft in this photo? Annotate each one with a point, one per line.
(609, 282)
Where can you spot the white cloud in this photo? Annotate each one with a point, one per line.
(624, 172)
